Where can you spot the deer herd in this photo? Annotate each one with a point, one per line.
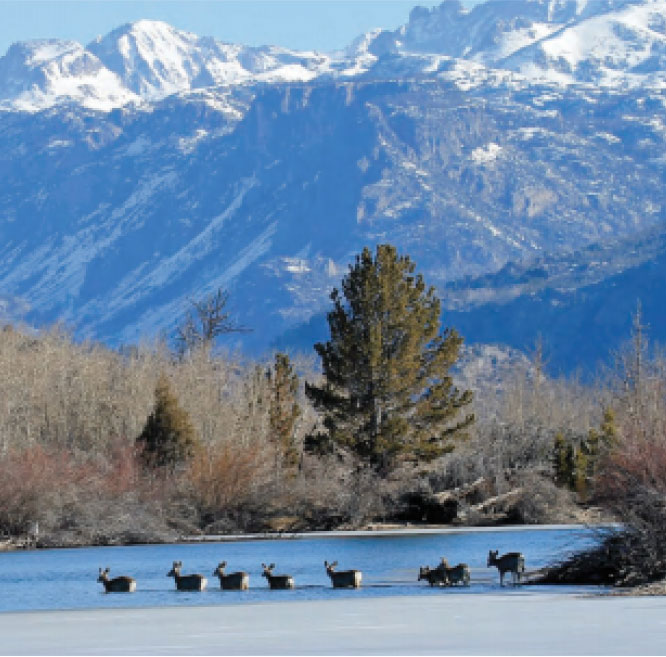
(441, 575)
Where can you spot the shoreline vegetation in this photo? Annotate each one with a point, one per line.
(150, 443)
(71, 471)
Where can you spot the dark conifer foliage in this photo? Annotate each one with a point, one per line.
(168, 438)
(284, 407)
(387, 393)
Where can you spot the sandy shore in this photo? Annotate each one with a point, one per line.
(518, 623)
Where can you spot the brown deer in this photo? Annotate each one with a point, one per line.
(344, 578)
(456, 574)
(122, 584)
(434, 576)
(513, 562)
(239, 581)
(195, 582)
(277, 581)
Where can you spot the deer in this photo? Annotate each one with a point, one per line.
(434, 576)
(343, 578)
(455, 574)
(513, 562)
(239, 581)
(277, 581)
(122, 584)
(195, 582)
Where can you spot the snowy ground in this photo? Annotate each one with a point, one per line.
(516, 623)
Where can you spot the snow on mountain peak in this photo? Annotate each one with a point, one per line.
(608, 42)
(35, 75)
(150, 57)
(620, 43)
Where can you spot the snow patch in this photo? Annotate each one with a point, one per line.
(485, 154)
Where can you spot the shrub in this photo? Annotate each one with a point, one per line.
(168, 438)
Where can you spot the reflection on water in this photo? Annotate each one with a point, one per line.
(66, 578)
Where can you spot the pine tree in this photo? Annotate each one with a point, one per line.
(609, 434)
(387, 393)
(284, 407)
(561, 458)
(581, 472)
(168, 437)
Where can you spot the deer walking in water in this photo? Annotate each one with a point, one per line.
(434, 576)
(122, 584)
(513, 562)
(277, 581)
(456, 574)
(343, 578)
(195, 582)
(239, 581)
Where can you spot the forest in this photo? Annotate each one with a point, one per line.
(156, 441)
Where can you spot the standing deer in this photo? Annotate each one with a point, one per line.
(239, 581)
(343, 578)
(277, 581)
(122, 584)
(195, 582)
(456, 574)
(434, 576)
(513, 562)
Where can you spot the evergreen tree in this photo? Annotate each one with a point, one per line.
(581, 471)
(562, 461)
(284, 408)
(387, 392)
(168, 437)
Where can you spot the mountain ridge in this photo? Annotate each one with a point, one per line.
(113, 218)
(564, 42)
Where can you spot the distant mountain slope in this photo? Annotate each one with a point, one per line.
(582, 319)
(154, 166)
(580, 305)
(605, 42)
(39, 74)
(139, 63)
(609, 42)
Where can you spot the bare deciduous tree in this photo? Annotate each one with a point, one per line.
(206, 320)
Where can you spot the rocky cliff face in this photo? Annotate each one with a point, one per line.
(264, 171)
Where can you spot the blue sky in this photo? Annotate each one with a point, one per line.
(324, 25)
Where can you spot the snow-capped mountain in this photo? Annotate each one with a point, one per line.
(143, 61)
(154, 166)
(154, 60)
(40, 74)
(609, 42)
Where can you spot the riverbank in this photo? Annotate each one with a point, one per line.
(370, 530)
(515, 623)
(379, 530)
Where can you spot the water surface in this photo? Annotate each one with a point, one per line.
(66, 578)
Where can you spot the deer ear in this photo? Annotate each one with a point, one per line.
(272, 566)
(334, 564)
